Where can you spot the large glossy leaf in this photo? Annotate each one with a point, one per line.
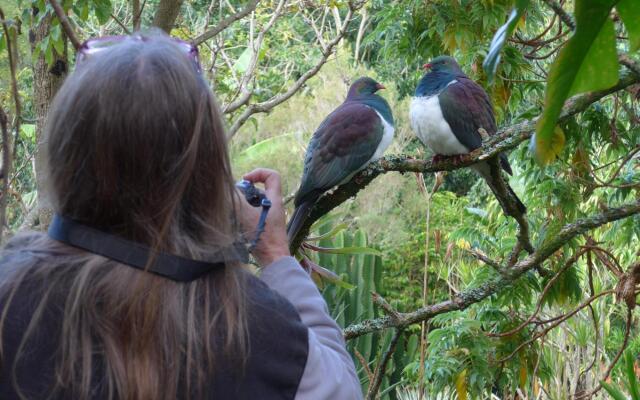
(490, 63)
(599, 70)
(587, 62)
(630, 13)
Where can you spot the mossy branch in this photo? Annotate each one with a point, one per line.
(496, 285)
(506, 139)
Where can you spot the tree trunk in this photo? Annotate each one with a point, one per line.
(166, 14)
(136, 11)
(46, 82)
(361, 29)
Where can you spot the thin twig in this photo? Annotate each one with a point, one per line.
(244, 93)
(386, 307)
(6, 169)
(124, 28)
(483, 257)
(424, 326)
(382, 366)
(615, 359)
(596, 330)
(557, 321)
(66, 25)
(269, 104)
(564, 16)
(364, 364)
(474, 295)
(599, 252)
(630, 63)
(548, 286)
(223, 24)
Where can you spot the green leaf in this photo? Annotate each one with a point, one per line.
(553, 145)
(631, 376)
(331, 277)
(613, 391)
(59, 46)
(334, 231)
(28, 132)
(599, 70)
(56, 33)
(103, 10)
(490, 63)
(48, 54)
(587, 62)
(242, 63)
(3, 41)
(630, 13)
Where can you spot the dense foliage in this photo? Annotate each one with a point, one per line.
(409, 243)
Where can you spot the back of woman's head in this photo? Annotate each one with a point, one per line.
(135, 148)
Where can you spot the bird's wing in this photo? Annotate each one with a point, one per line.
(466, 108)
(344, 143)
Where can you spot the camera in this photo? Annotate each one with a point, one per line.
(252, 194)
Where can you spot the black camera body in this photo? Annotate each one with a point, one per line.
(252, 194)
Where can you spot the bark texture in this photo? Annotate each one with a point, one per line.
(166, 14)
(46, 82)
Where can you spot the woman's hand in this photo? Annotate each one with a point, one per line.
(273, 243)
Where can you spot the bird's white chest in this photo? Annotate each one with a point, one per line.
(428, 123)
(387, 137)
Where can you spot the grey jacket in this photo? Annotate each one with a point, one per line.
(329, 372)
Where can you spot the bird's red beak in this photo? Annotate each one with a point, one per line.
(380, 86)
(427, 66)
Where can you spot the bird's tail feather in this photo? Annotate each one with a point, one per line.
(485, 171)
(298, 218)
(521, 207)
(504, 163)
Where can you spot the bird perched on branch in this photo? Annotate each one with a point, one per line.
(450, 114)
(353, 135)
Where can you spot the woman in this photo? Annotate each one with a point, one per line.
(141, 184)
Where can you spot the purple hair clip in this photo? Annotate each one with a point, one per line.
(96, 45)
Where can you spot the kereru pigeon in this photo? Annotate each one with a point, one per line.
(450, 113)
(353, 135)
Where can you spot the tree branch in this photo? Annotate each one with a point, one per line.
(66, 25)
(224, 23)
(6, 169)
(496, 285)
(379, 372)
(630, 63)
(123, 26)
(555, 322)
(268, 105)
(7, 153)
(243, 90)
(483, 257)
(548, 286)
(506, 139)
(560, 12)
